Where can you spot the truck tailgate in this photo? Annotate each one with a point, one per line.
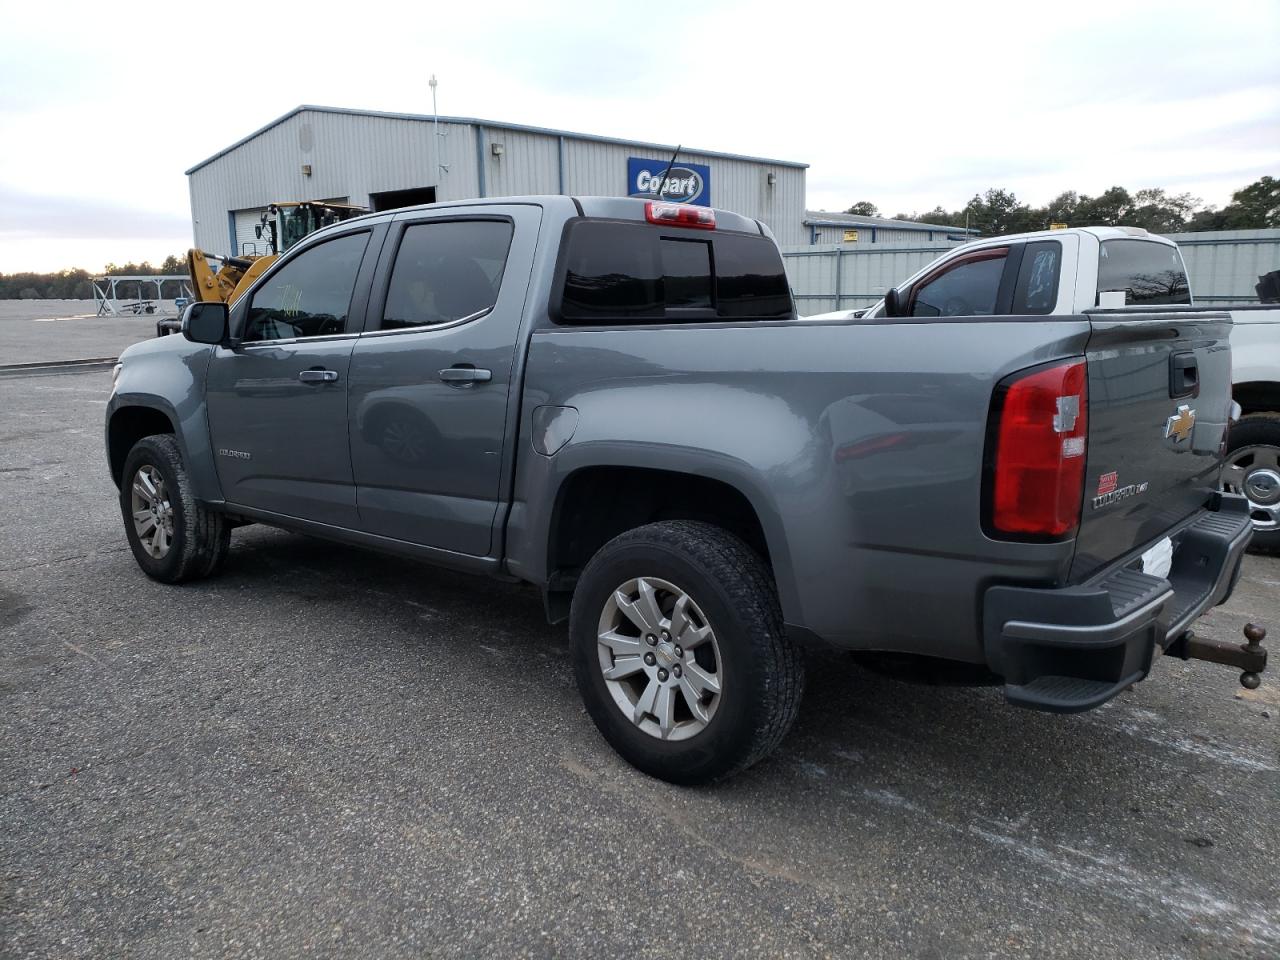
(1159, 403)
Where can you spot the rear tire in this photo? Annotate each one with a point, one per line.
(173, 538)
(733, 625)
(1253, 448)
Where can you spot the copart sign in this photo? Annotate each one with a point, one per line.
(686, 182)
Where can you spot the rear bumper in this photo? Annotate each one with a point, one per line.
(1074, 648)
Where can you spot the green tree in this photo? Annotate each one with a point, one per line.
(864, 208)
(1105, 210)
(1254, 207)
(1155, 210)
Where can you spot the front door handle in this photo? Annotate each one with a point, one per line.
(317, 375)
(464, 373)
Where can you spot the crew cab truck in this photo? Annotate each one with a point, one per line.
(1127, 267)
(614, 400)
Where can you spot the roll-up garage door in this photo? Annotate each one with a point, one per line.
(246, 241)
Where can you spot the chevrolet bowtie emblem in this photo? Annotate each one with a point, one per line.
(1179, 426)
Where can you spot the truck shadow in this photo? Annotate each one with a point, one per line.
(857, 731)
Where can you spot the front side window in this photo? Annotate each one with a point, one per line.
(446, 271)
(310, 296)
(1147, 273)
(966, 288)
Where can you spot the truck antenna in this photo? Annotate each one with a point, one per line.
(662, 184)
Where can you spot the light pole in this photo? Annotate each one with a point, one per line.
(435, 113)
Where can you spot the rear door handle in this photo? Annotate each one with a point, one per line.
(1184, 376)
(463, 373)
(317, 375)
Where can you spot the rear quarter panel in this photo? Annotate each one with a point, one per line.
(860, 445)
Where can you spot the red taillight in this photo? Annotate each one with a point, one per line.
(680, 215)
(1040, 452)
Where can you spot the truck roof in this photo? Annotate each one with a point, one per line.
(1102, 233)
(615, 208)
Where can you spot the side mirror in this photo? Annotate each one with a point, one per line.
(895, 304)
(205, 322)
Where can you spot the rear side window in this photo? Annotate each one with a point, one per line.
(1037, 288)
(1146, 272)
(966, 287)
(623, 272)
(445, 271)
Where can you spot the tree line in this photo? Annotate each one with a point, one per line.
(77, 284)
(997, 211)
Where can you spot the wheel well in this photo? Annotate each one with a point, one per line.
(1262, 396)
(596, 504)
(128, 426)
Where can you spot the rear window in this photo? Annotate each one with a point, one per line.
(1147, 273)
(637, 273)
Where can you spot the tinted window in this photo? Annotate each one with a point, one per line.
(686, 272)
(612, 271)
(750, 279)
(966, 289)
(310, 296)
(633, 272)
(446, 271)
(1148, 273)
(1037, 287)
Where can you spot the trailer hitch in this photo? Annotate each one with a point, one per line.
(1250, 657)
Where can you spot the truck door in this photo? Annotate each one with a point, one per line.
(277, 400)
(430, 394)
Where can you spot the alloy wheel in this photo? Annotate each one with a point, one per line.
(152, 511)
(660, 658)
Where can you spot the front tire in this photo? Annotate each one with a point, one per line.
(680, 654)
(1253, 469)
(173, 538)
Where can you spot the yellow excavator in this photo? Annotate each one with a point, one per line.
(283, 225)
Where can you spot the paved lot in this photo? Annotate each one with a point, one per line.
(33, 331)
(328, 751)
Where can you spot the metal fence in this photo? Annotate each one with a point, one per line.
(1224, 267)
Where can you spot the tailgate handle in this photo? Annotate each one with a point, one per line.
(1184, 376)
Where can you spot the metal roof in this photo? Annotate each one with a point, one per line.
(491, 124)
(821, 218)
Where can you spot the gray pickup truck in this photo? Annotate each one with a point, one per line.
(614, 400)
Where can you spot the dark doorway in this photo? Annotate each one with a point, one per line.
(394, 199)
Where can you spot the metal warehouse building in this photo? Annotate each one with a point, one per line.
(824, 227)
(388, 160)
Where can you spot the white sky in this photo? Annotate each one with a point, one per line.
(906, 104)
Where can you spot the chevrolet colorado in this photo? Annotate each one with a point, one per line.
(1157, 276)
(614, 400)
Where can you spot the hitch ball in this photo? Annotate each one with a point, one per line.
(1255, 634)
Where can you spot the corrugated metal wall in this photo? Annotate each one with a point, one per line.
(355, 155)
(860, 274)
(1223, 266)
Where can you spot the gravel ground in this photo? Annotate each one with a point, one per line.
(326, 751)
(33, 331)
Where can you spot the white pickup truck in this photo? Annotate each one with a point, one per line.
(1086, 267)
